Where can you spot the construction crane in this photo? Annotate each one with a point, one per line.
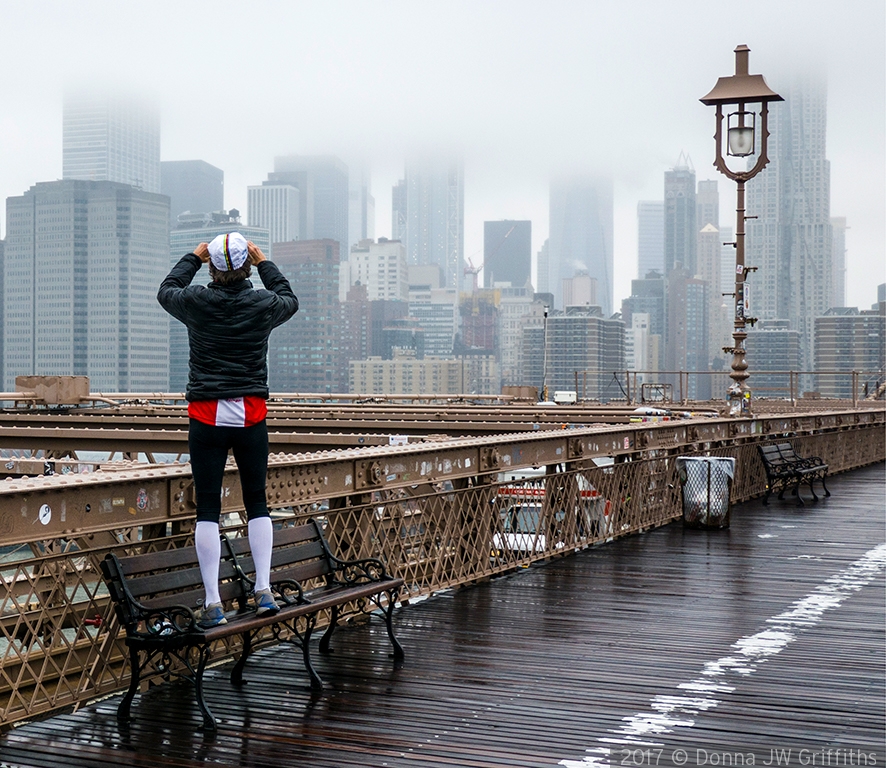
(470, 269)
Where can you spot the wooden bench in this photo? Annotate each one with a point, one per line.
(785, 469)
(157, 595)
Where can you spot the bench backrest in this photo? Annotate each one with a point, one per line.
(772, 456)
(787, 452)
(164, 579)
(300, 553)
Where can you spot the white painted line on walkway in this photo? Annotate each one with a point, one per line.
(706, 692)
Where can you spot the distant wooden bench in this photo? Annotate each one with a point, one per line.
(785, 469)
(156, 594)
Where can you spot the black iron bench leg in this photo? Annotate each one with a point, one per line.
(208, 719)
(389, 623)
(327, 635)
(826, 491)
(125, 705)
(796, 492)
(812, 488)
(305, 641)
(237, 671)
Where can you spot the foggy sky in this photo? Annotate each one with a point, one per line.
(522, 89)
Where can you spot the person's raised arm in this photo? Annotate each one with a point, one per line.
(179, 278)
(274, 280)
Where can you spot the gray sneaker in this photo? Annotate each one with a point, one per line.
(213, 616)
(265, 604)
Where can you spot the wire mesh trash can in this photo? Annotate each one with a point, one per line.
(706, 482)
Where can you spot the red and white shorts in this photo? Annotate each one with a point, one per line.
(233, 412)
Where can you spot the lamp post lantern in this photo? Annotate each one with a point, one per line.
(749, 95)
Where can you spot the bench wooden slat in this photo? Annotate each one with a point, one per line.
(177, 557)
(176, 580)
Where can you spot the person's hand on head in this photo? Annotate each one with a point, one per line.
(202, 252)
(255, 254)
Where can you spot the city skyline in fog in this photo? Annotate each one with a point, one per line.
(522, 92)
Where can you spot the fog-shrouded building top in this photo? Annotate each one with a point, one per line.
(192, 185)
(581, 227)
(323, 195)
(428, 212)
(789, 238)
(84, 261)
(111, 137)
(680, 223)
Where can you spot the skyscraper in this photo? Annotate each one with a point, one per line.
(192, 185)
(648, 298)
(719, 316)
(434, 215)
(775, 351)
(838, 267)
(398, 211)
(111, 137)
(380, 267)
(707, 204)
(305, 353)
(274, 207)
(323, 199)
(581, 224)
(580, 342)
(2, 244)
(847, 340)
(515, 307)
(507, 252)
(361, 206)
(680, 224)
(791, 241)
(84, 260)
(650, 237)
(686, 334)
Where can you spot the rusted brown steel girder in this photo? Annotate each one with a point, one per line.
(91, 435)
(330, 419)
(63, 505)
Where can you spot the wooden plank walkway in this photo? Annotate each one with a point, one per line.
(722, 644)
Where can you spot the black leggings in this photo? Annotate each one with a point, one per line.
(209, 447)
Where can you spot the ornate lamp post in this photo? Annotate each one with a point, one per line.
(750, 96)
(544, 365)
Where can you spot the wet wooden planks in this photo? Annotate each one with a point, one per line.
(551, 662)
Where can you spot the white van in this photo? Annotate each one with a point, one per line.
(565, 397)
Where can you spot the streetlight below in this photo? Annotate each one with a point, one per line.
(751, 96)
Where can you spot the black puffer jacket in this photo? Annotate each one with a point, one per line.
(228, 328)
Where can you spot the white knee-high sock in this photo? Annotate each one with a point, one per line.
(261, 541)
(208, 554)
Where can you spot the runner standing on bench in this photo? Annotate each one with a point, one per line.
(228, 328)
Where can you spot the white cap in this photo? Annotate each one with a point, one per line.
(228, 252)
